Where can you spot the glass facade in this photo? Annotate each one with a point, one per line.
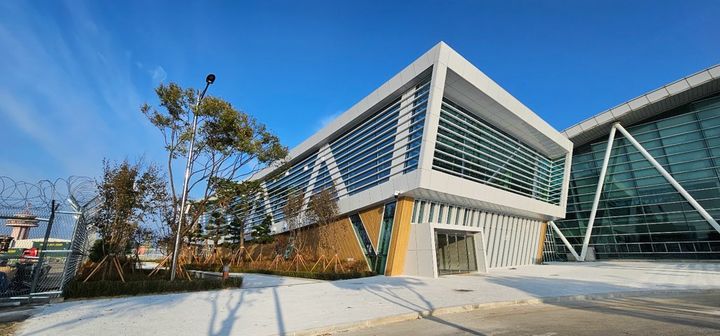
(385, 143)
(640, 215)
(472, 148)
(455, 252)
(295, 178)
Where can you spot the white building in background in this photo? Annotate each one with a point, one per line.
(438, 171)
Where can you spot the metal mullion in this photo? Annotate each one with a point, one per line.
(367, 155)
(492, 131)
(645, 177)
(474, 142)
(670, 179)
(279, 182)
(676, 116)
(376, 151)
(484, 123)
(661, 138)
(377, 115)
(480, 181)
(398, 129)
(479, 173)
(341, 141)
(526, 154)
(659, 156)
(463, 126)
(514, 168)
(652, 185)
(352, 141)
(480, 159)
(341, 194)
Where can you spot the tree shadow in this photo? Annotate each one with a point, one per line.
(389, 289)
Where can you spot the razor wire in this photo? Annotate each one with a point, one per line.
(41, 248)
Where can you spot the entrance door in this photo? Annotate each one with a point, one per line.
(455, 251)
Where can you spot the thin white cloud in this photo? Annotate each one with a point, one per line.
(158, 74)
(67, 87)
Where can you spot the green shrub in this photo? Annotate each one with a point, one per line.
(79, 289)
(297, 274)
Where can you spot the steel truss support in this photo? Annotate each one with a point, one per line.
(601, 182)
(669, 178)
(598, 193)
(564, 240)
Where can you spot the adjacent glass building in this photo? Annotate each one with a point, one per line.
(640, 215)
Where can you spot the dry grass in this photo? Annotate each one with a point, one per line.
(8, 328)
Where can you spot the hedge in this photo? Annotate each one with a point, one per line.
(296, 274)
(79, 289)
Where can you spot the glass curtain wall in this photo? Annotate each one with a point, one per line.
(640, 215)
(472, 148)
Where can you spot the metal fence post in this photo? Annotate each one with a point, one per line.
(41, 256)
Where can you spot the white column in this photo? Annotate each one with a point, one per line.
(566, 180)
(266, 200)
(669, 178)
(432, 115)
(402, 131)
(598, 193)
(325, 153)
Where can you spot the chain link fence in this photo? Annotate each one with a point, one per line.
(44, 235)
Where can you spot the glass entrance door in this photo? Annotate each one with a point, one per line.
(455, 251)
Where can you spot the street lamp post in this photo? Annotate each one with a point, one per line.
(188, 167)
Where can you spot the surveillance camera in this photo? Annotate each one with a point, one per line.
(397, 194)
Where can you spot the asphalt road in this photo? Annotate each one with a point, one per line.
(691, 314)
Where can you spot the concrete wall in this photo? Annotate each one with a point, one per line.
(501, 240)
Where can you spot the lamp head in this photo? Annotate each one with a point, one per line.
(210, 79)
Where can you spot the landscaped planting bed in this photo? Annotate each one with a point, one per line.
(297, 274)
(139, 283)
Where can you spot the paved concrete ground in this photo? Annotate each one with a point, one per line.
(273, 305)
(687, 314)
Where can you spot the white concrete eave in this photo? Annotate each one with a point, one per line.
(678, 93)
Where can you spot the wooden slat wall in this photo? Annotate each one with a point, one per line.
(400, 237)
(340, 239)
(372, 219)
(543, 231)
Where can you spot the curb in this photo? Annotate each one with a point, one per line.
(479, 306)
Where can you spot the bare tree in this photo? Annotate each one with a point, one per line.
(295, 216)
(323, 210)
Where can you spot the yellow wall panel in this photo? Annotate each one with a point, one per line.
(372, 219)
(541, 246)
(400, 237)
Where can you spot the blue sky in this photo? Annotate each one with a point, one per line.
(73, 74)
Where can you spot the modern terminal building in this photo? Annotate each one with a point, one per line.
(438, 171)
(441, 171)
(660, 191)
